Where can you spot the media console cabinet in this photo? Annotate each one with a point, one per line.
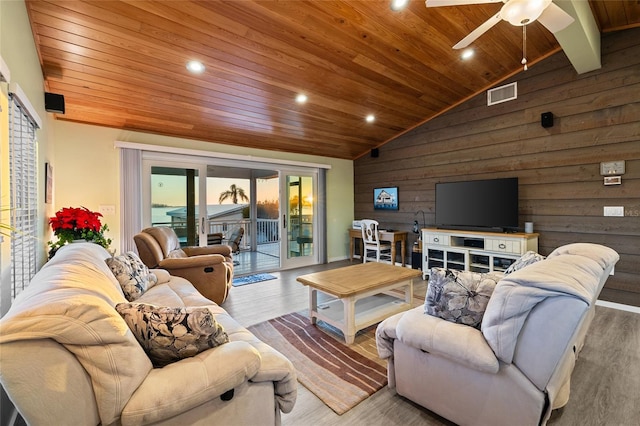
(473, 251)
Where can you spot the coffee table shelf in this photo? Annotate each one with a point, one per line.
(362, 295)
(368, 311)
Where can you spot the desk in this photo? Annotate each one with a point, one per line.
(392, 237)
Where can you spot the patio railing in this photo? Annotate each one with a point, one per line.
(268, 230)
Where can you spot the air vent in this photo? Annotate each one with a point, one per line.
(501, 94)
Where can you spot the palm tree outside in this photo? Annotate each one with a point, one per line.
(235, 193)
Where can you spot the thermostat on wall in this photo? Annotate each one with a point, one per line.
(610, 168)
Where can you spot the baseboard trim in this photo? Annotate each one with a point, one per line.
(619, 306)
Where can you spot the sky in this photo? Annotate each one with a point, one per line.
(170, 190)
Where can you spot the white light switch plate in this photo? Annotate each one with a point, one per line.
(613, 210)
(107, 210)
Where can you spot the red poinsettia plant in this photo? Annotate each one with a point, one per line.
(77, 223)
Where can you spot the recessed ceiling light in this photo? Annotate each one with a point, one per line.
(301, 98)
(195, 67)
(467, 54)
(398, 4)
(370, 118)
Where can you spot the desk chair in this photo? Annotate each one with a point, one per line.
(371, 242)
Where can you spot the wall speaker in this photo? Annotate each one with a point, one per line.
(375, 153)
(54, 103)
(546, 119)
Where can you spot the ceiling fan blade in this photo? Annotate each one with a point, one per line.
(438, 3)
(473, 35)
(555, 19)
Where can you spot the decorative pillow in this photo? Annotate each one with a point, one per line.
(526, 259)
(170, 334)
(459, 296)
(133, 275)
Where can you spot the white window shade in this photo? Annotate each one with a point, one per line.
(18, 96)
(23, 194)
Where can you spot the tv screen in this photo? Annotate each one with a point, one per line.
(479, 204)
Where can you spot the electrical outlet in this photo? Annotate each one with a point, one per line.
(613, 210)
(107, 210)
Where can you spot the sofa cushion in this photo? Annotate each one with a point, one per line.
(170, 334)
(133, 275)
(459, 296)
(526, 259)
(465, 345)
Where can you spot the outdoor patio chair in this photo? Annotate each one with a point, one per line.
(216, 238)
(235, 238)
(209, 269)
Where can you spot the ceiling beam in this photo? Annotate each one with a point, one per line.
(580, 41)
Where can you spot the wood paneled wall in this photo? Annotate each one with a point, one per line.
(596, 118)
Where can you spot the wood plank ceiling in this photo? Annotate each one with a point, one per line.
(122, 64)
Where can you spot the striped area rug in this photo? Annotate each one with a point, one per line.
(340, 375)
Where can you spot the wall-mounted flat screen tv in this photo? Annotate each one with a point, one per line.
(385, 198)
(490, 204)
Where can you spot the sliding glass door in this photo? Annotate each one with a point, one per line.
(204, 199)
(298, 219)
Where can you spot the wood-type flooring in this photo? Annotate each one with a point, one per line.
(605, 386)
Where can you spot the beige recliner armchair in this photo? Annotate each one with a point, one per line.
(209, 269)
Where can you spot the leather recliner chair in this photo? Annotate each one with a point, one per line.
(209, 268)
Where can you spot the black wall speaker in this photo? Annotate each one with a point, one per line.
(375, 153)
(54, 103)
(546, 119)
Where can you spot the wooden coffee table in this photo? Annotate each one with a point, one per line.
(361, 295)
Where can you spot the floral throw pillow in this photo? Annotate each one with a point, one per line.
(170, 334)
(133, 275)
(526, 259)
(459, 296)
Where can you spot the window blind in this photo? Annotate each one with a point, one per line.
(23, 195)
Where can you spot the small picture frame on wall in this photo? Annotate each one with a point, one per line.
(385, 198)
(48, 183)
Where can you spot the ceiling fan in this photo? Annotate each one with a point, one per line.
(519, 13)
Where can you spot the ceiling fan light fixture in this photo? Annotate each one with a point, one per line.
(523, 12)
(467, 54)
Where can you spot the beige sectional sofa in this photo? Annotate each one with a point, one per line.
(516, 368)
(68, 358)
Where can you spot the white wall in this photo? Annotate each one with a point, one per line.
(86, 173)
(17, 50)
